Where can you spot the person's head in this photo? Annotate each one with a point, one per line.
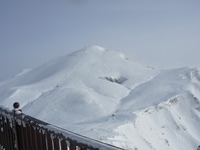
(16, 105)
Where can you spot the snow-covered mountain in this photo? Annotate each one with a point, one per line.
(102, 94)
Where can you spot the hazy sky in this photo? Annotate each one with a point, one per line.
(161, 33)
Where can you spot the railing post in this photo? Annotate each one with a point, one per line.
(56, 143)
(64, 145)
(72, 146)
(30, 137)
(15, 111)
(49, 141)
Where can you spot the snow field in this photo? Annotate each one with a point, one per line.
(103, 95)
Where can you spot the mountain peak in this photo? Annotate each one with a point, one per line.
(94, 48)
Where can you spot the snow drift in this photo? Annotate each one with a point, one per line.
(104, 95)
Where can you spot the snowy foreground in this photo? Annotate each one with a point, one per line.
(104, 95)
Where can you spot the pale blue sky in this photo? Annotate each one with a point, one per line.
(162, 33)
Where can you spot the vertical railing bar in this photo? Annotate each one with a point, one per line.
(44, 146)
(64, 145)
(22, 134)
(68, 144)
(16, 146)
(0, 129)
(6, 134)
(26, 137)
(34, 142)
(46, 141)
(42, 139)
(3, 140)
(13, 135)
(19, 136)
(9, 134)
(56, 143)
(9, 128)
(29, 135)
(39, 138)
(2, 132)
(60, 147)
(35, 137)
(40, 134)
(72, 146)
(59, 143)
(50, 143)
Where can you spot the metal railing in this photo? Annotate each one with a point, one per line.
(23, 132)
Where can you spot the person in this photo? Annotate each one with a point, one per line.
(16, 108)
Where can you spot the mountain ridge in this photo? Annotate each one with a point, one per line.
(104, 95)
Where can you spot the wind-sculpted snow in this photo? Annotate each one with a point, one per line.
(104, 95)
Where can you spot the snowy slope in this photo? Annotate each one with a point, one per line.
(104, 95)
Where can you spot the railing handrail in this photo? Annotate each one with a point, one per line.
(58, 132)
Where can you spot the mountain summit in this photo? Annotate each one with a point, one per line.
(104, 95)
